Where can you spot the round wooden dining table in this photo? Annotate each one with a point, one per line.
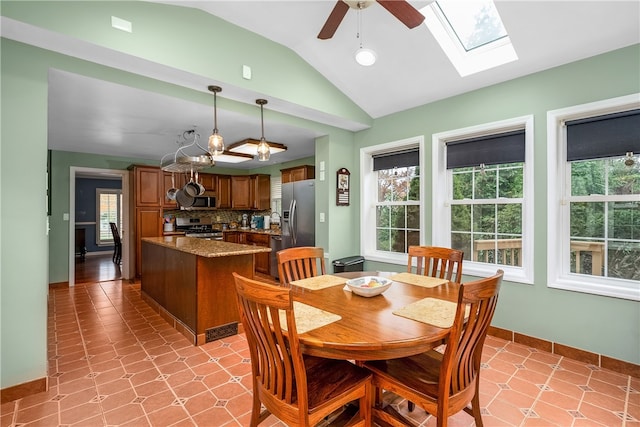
(367, 328)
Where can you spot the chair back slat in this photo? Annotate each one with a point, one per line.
(300, 263)
(280, 360)
(443, 263)
(462, 357)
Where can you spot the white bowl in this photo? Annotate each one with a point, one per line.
(369, 286)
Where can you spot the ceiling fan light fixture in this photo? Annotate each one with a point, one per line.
(365, 57)
(216, 141)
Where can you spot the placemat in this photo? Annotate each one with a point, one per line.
(418, 280)
(433, 311)
(319, 282)
(308, 317)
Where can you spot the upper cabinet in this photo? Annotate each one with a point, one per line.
(210, 183)
(251, 192)
(223, 196)
(148, 185)
(261, 188)
(298, 173)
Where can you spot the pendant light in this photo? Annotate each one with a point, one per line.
(264, 151)
(365, 57)
(216, 142)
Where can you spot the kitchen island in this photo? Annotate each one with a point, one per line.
(188, 282)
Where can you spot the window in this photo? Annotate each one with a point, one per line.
(109, 209)
(276, 194)
(594, 198)
(391, 203)
(485, 176)
(470, 33)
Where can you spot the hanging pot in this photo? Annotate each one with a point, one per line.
(171, 193)
(200, 186)
(191, 188)
(184, 199)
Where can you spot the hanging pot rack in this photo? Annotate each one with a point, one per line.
(182, 162)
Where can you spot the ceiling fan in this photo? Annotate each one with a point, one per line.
(401, 9)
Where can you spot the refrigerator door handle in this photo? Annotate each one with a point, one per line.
(292, 222)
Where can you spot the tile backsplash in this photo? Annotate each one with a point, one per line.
(221, 216)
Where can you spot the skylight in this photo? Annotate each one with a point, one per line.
(471, 33)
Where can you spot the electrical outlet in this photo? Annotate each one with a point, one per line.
(321, 216)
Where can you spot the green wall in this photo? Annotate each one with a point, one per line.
(599, 324)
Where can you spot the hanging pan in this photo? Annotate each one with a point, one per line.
(184, 199)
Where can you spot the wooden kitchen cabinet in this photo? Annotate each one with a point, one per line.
(149, 185)
(241, 192)
(149, 223)
(232, 236)
(210, 183)
(260, 192)
(223, 198)
(298, 173)
(262, 260)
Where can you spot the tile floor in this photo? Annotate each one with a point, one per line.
(114, 362)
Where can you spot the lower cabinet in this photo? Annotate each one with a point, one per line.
(262, 260)
(149, 223)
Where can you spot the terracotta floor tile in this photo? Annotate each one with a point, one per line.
(124, 414)
(80, 413)
(168, 415)
(104, 339)
(213, 416)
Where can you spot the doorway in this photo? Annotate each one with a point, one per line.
(96, 265)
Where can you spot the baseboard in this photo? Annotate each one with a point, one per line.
(58, 285)
(23, 390)
(584, 356)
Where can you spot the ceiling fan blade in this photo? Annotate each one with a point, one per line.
(334, 20)
(402, 10)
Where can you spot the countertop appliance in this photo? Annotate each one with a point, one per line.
(298, 220)
(198, 227)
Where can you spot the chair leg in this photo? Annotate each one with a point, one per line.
(410, 405)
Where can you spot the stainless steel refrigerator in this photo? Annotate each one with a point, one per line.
(298, 214)
(298, 219)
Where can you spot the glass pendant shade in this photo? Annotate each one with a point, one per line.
(216, 142)
(264, 151)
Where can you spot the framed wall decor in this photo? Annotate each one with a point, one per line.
(342, 187)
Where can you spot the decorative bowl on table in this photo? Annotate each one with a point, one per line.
(369, 286)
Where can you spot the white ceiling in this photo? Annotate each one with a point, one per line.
(88, 115)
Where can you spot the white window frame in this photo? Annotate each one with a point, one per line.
(369, 192)
(558, 189)
(276, 194)
(99, 191)
(442, 196)
(490, 55)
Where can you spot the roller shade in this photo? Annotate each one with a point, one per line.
(493, 149)
(398, 159)
(603, 136)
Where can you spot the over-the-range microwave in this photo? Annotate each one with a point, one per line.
(201, 203)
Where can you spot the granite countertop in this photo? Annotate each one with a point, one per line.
(205, 248)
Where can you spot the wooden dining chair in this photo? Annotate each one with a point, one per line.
(300, 263)
(117, 243)
(444, 263)
(443, 384)
(298, 389)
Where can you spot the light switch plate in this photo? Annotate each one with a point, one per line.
(321, 175)
(322, 165)
(246, 72)
(321, 216)
(65, 216)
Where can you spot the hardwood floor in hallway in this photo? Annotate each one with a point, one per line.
(97, 267)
